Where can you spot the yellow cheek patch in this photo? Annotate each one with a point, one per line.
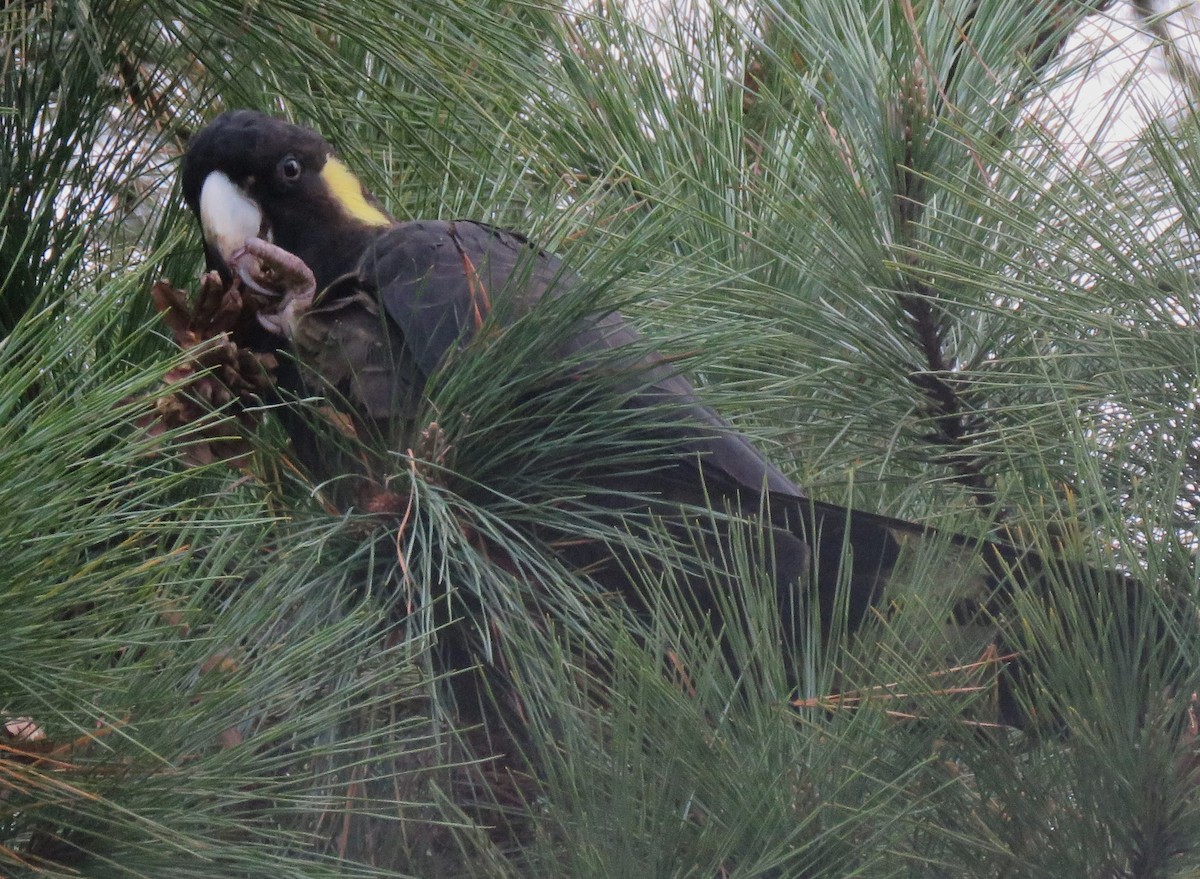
(348, 191)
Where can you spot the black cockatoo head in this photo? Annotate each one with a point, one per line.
(248, 175)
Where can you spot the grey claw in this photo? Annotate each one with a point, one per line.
(243, 272)
(271, 323)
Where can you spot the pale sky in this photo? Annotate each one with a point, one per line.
(1122, 77)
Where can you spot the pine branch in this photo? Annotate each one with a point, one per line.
(956, 420)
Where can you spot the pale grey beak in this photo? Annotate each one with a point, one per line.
(228, 216)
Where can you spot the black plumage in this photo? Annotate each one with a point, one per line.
(391, 303)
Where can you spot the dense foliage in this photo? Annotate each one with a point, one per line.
(843, 217)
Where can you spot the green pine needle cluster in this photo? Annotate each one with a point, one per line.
(840, 220)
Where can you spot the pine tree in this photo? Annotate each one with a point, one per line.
(844, 222)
